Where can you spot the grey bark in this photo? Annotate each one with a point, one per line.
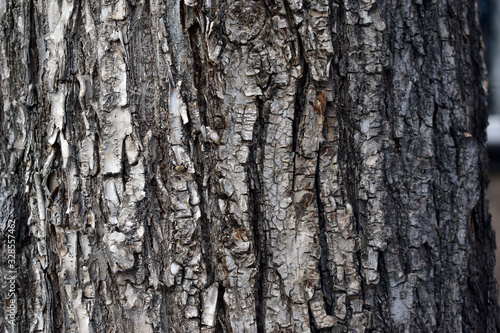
(245, 166)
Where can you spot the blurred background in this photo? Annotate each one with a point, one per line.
(490, 21)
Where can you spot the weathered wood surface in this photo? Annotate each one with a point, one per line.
(246, 166)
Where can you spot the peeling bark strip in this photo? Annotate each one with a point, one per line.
(245, 166)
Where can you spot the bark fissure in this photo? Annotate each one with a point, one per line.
(325, 273)
(257, 218)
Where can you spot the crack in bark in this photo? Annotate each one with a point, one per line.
(255, 187)
(323, 262)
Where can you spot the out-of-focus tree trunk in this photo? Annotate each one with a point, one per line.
(244, 166)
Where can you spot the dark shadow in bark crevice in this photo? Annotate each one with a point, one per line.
(257, 217)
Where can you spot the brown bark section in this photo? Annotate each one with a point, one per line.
(246, 166)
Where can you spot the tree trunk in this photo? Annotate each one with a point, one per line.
(244, 166)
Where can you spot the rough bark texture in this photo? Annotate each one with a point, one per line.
(245, 166)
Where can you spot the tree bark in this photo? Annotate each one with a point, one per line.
(244, 166)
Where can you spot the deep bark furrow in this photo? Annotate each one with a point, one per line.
(258, 232)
